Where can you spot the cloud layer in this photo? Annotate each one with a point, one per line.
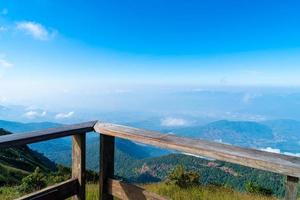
(171, 121)
(64, 115)
(273, 150)
(34, 114)
(36, 30)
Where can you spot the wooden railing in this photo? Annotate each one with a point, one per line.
(109, 187)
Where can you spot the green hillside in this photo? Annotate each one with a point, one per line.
(211, 172)
(18, 162)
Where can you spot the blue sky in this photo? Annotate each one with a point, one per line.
(53, 51)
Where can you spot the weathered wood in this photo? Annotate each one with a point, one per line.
(59, 191)
(278, 163)
(291, 188)
(127, 191)
(48, 134)
(78, 163)
(107, 152)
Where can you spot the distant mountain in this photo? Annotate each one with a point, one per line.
(17, 127)
(18, 162)
(237, 131)
(286, 129)
(243, 133)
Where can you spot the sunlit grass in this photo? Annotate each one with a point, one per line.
(194, 193)
(170, 191)
(202, 193)
(92, 191)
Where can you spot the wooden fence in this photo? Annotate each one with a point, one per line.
(109, 187)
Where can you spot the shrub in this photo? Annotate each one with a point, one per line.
(33, 182)
(257, 189)
(182, 178)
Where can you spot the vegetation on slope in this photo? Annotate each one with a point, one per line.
(18, 162)
(182, 185)
(212, 172)
(38, 180)
(192, 193)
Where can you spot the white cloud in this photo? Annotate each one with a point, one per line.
(4, 63)
(36, 30)
(64, 115)
(171, 121)
(34, 114)
(292, 154)
(270, 149)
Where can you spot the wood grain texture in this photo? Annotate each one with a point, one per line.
(127, 191)
(59, 191)
(78, 163)
(291, 188)
(107, 155)
(278, 163)
(48, 134)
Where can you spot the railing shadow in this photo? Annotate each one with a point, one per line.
(131, 192)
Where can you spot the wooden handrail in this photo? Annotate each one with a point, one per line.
(278, 163)
(274, 162)
(61, 190)
(47, 134)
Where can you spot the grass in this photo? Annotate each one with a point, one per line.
(92, 191)
(194, 193)
(202, 193)
(170, 191)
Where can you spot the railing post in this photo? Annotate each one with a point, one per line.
(291, 188)
(78, 163)
(107, 154)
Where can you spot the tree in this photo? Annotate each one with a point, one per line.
(183, 178)
(33, 182)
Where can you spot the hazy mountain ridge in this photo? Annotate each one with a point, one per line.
(18, 127)
(278, 134)
(237, 132)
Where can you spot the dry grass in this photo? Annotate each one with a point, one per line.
(202, 193)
